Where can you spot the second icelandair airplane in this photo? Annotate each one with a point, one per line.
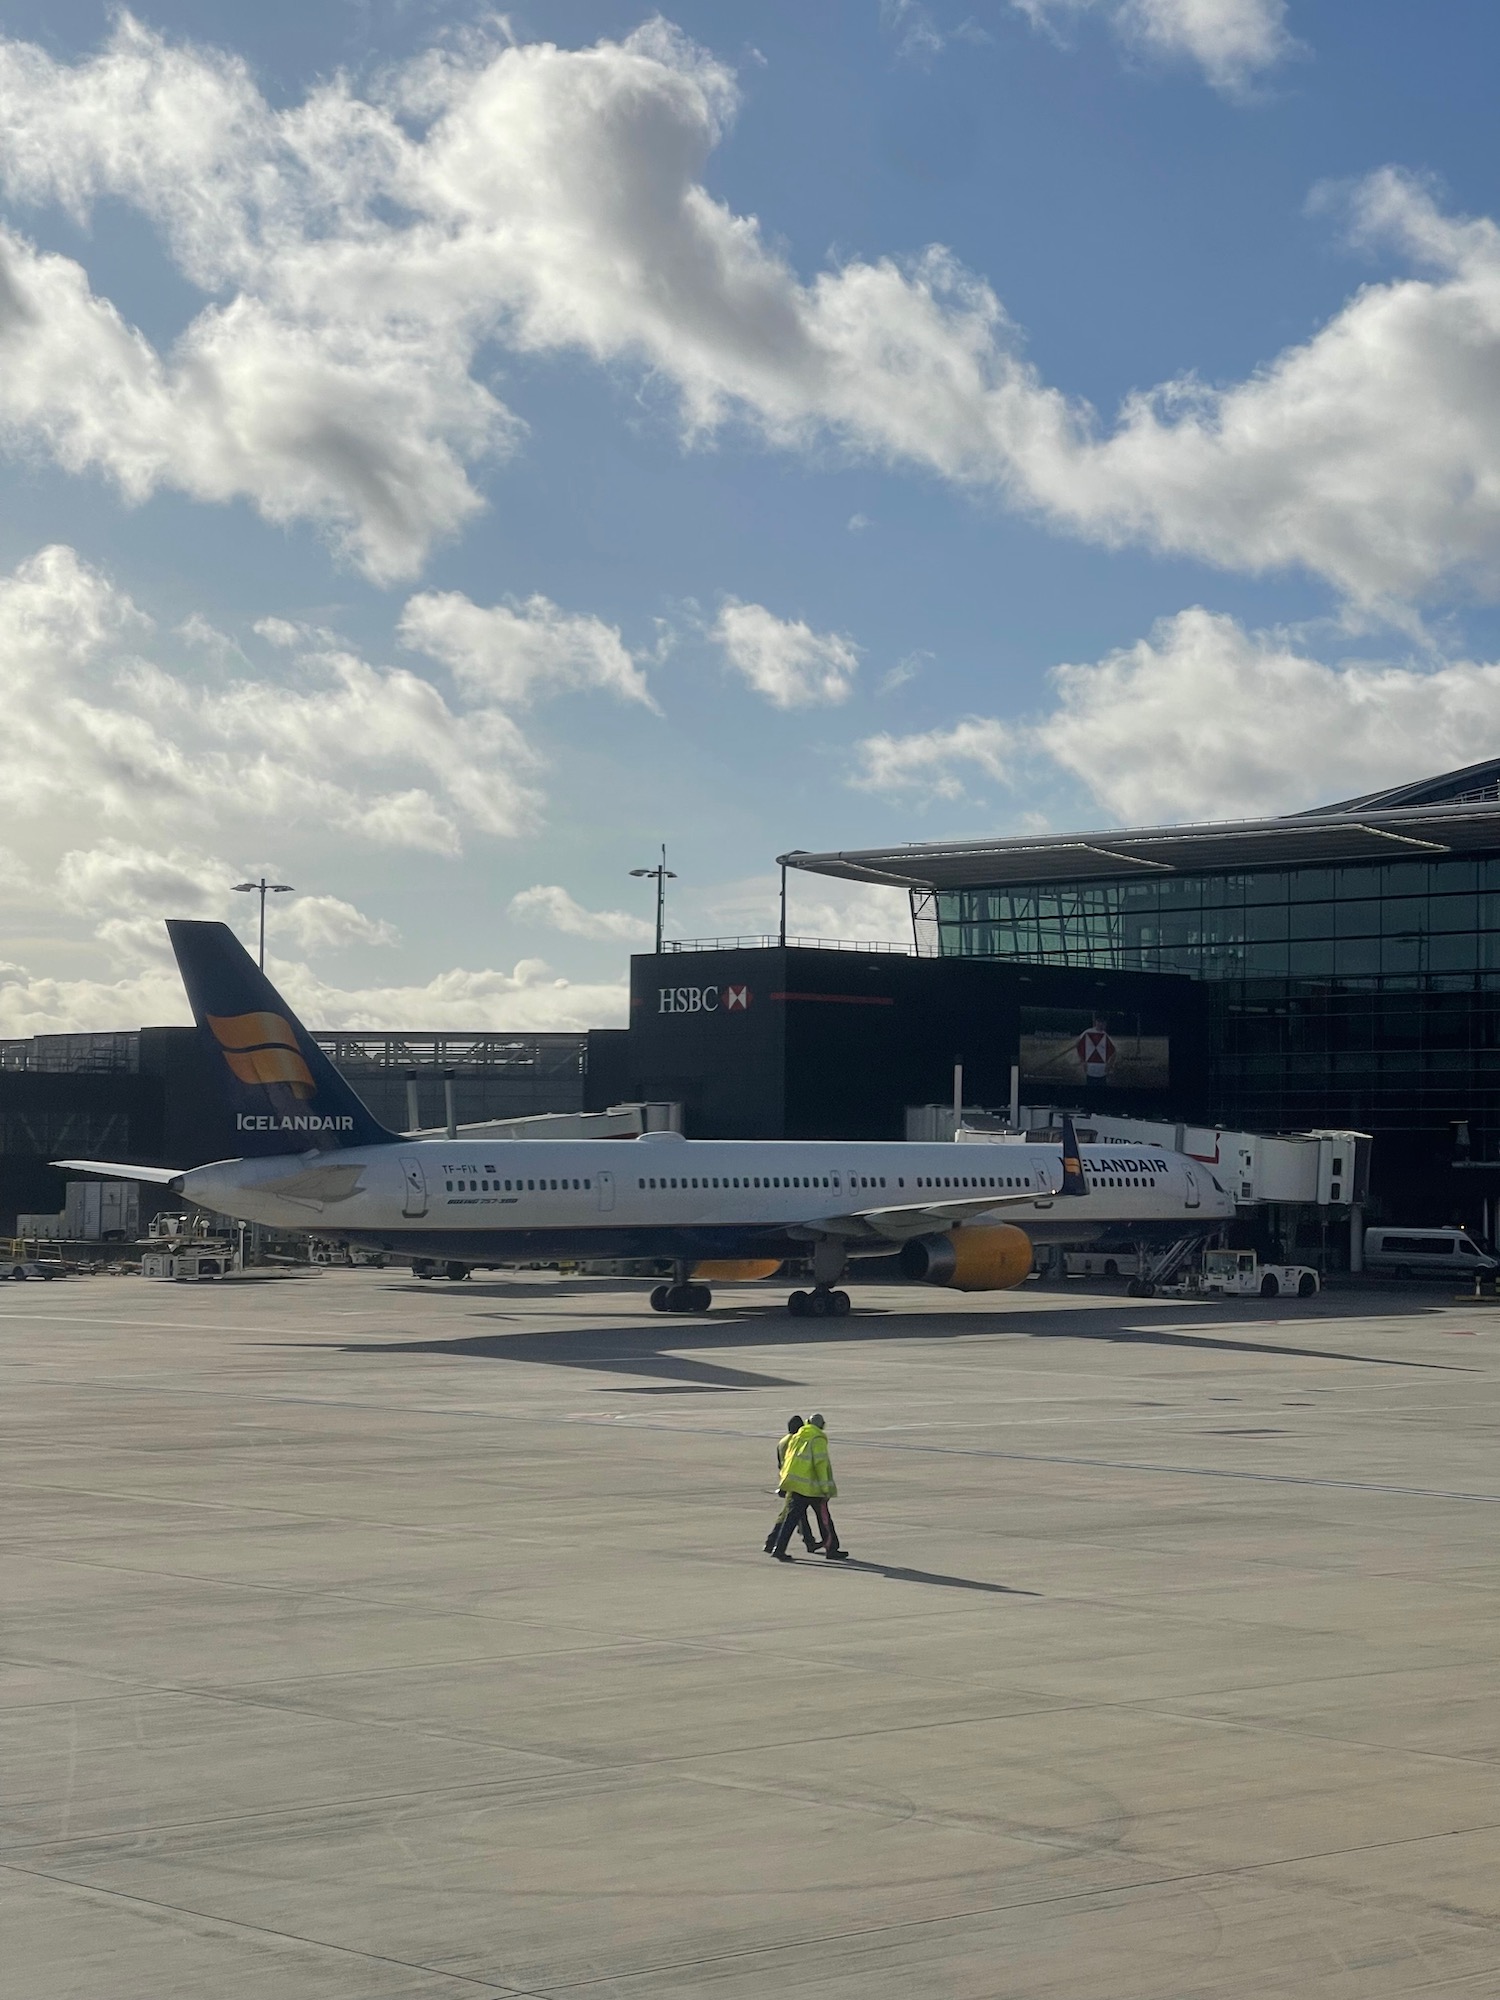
(314, 1159)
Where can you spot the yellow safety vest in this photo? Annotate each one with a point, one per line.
(807, 1468)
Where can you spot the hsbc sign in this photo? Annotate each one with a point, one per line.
(703, 1000)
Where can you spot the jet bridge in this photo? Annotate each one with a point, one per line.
(1286, 1186)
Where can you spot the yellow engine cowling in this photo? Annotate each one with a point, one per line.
(741, 1270)
(980, 1257)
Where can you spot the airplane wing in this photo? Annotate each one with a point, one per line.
(113, 1170)
(895, 1225)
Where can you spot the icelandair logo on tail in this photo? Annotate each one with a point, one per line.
(261, 1049)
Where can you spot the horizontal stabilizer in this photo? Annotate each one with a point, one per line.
(336, 1182)
(114, 1170)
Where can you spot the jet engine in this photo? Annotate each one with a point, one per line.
(980, 1257)
(737, 1270)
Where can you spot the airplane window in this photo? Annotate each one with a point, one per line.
(899, 1181)
(882, 1180)
(640, 1184)
(531, 1186)
(449, 1186)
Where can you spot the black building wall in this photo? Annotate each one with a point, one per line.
(49, 1115)
(790, 1043)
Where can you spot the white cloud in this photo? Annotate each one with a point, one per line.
(932, 764)
(1232, 41)
(95, 729)
(783, 658)
(817, 907)
(530, 997)
(328, 923)
(361, 253)
(512, 653)
(116, 876)
(551, 905)
(1204, 720)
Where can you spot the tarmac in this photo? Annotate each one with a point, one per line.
(367, 1637)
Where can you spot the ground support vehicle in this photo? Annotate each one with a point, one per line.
(1240, 1274)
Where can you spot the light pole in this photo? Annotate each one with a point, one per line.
(265, 889)
(661, 875)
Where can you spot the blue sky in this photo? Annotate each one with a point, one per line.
(443, 455)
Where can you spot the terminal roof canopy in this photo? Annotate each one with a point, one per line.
(1457, 813)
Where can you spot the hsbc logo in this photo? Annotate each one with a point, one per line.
(703, 1000)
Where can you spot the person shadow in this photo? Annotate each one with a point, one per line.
(897, 1574)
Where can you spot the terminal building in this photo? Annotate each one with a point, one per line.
(1337, 969)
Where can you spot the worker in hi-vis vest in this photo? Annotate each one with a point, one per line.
(807, 1481)
(793, 1425)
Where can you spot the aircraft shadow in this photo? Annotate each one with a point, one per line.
(678, 1350)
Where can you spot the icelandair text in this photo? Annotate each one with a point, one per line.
(302, 1121)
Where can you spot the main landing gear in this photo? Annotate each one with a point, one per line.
(681, 1298)
(822, 1302)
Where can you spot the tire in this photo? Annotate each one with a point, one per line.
(659, 1299)
(456, 1273)
(1140, 1288)
(1270, 1287)
(700, 1298)
(1307, 1284)
(1111, 1268)
(840, 1304)
(796, 1305)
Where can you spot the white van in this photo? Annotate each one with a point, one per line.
(1413, 1253)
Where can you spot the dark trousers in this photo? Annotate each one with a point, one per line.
(793, 1519)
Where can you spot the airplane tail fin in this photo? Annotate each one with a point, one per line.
(1075, 1181)
(284, 1094)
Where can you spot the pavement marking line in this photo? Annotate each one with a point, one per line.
(1226, 1873)
(494, 1988)
(851, 1440)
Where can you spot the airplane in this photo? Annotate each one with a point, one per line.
(315, 1159)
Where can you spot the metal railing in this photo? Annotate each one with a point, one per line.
(547, 1054)
(797, 943)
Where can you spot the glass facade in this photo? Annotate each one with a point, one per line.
(1396, 920)
(1366, 995)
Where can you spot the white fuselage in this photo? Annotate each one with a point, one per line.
(665, 1196)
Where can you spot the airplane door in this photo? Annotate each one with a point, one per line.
(414, 1198)
(1194, 1198)
(605, 1183)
